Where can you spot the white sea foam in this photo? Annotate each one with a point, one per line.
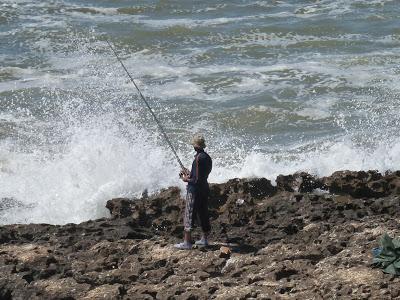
(192, 23)
(97, 164)
(255, 78)
(333, 156)
(100, 161)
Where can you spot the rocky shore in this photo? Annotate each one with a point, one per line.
(305, 238)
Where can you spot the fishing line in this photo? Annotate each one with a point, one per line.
(148, 106)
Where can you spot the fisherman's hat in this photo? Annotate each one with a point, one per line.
(198, 141)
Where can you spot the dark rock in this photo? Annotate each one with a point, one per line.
(121, 207)
(361, 184)
(285, 273)
(299, 182)
(289, 233)
(234, 189)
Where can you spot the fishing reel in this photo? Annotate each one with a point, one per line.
(183, 172)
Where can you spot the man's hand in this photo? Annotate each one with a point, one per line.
(184, 174)
(186, 178)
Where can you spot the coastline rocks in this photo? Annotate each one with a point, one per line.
(370, 184)
(306, 237)
(256, 188)
(161, 212)
(299, 182)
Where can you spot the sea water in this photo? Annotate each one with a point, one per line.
(275, 86)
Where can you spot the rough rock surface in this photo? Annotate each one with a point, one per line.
(305, 238)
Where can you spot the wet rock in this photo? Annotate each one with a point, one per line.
(361, 184)
(257, 188)
(122, 207)
(299, 182)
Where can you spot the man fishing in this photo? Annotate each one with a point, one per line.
(197, 189)
(196, 204)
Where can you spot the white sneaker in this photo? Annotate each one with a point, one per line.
(202, 242)
(183, 246)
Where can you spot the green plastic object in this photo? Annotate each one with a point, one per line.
(389, 258)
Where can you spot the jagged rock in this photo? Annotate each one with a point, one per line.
(122, 207)
(162, 211)
(63, 288)
(106, 291)
(357, 184)
(299, 182)
(225, 252)
(256, 188)
(289, 241)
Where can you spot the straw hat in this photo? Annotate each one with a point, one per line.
(198, 141)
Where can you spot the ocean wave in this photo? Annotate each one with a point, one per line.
(99, 162)
(192, 23)
(96, 164)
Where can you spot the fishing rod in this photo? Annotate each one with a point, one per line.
(148, 106)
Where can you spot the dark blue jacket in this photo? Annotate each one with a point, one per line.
(201, 168)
